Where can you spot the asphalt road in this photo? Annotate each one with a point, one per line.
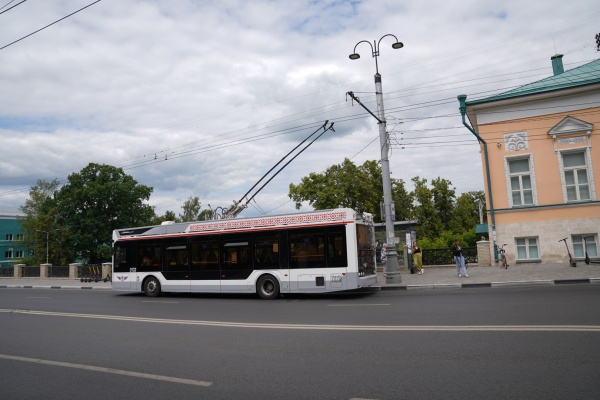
(518, 343)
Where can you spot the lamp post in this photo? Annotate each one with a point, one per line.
(47, 236)
(392, 271)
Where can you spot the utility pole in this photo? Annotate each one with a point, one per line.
(392, 270)
(47, 237)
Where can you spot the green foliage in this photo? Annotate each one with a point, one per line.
(96, 201)
(443, 200)
(348, 185)
(157, 220)
(42, 232)
(191, 210)
(466, 212)
(430, 223)
(441, 215)
(205, 215)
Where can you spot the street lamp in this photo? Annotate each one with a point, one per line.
(47, 235)
(392, 272)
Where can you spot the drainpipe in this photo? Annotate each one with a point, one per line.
(463, 110)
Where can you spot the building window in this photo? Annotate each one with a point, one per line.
(20, 236)
(527, 249)
(19, 254)
(590, 244)
(520, 186)
(575, 172)
(8, 254)
(9, 236)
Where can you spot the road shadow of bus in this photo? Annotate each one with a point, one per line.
(343, 295)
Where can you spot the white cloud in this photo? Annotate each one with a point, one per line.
(219, 91)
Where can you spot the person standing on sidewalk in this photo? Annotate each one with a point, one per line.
(459, 259)
(383, 254)
(417, 258)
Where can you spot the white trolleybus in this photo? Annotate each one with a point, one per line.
(314, 252)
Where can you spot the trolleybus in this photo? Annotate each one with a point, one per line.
(319, 251)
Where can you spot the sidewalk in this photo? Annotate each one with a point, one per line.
(519, 274)
(51, 283)
(437, 277)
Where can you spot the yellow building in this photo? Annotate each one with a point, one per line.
(540, 146)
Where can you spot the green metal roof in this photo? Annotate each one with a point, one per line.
(583, 75)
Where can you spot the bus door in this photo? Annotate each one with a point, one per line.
(124, 266)
(236, 262)
(307, 255)
(205, 270)
(176, 266)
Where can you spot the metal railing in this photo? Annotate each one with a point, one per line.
(444, 256)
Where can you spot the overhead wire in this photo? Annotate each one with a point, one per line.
(49, 25)
(172, 154)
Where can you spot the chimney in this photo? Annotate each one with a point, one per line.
(557, 65)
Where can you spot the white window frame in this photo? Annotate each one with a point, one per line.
(527, 247)
(592, 242)
(589, 170)
(19, 254)
(509, 191)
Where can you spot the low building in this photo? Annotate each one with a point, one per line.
(541, 154)
(12, 246)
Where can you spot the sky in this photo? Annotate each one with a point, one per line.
(202, 98)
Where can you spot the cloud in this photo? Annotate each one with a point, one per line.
(203, 98)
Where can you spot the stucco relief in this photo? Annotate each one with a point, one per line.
(515, 141)
(571, 140)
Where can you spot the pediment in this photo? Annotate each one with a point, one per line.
(570, 125)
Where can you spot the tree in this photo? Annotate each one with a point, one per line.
(96, 201)
(191, 210)
(466, 214)
(348, 185)
(443, 200)
(157, 220)
(424, 210)
(206, 215)
(40, 217)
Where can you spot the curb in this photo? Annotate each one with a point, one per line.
(556, 282)
(54, 287)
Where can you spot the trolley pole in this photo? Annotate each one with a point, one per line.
(392, 270)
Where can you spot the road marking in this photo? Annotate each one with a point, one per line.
(158, 301)
(356, 305)
(399, 328)
(32, 297)
(108, 370)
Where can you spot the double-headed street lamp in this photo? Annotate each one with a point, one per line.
(47, 236)
(392, 271)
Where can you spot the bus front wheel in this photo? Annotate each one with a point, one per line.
(152, 287)
(267, 287)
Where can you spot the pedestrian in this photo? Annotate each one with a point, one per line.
(459, 259)
(384, 253)
(417, 258)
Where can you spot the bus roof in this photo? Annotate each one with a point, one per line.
(312, 218)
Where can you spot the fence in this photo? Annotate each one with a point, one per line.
(72, 271)
(442, 256)
(445, 256)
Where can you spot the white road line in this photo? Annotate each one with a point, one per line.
(108, 370)
(356, 305)
(158, 301)
(397, 328)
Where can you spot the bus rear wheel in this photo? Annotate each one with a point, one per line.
(267, 287)
(152, 287)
